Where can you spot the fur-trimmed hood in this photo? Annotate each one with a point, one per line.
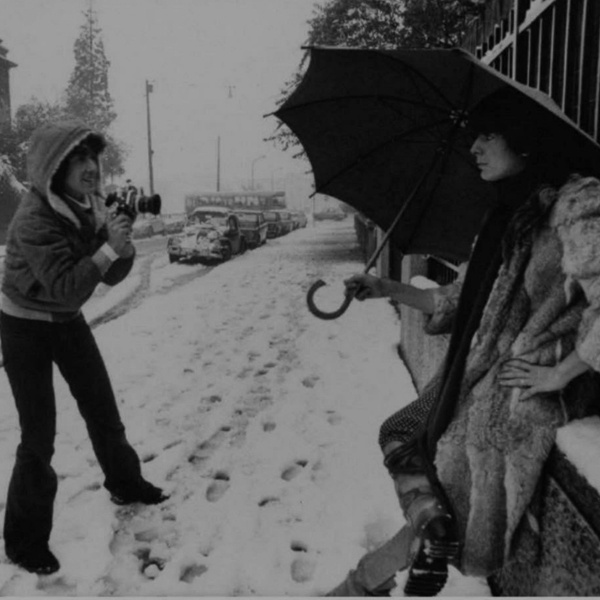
(49, 146)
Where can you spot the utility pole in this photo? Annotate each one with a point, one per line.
(149, 89)
(252, 171)
(219, 164)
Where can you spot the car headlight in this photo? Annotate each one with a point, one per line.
(212, 235)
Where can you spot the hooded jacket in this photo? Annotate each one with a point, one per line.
(54, 258)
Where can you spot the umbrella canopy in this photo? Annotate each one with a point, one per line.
(382, 127)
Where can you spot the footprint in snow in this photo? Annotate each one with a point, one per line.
(310, 381)
(189, 573)
(150, 565)
(293, 470)
(265, 368)
(333, 418)
(303, 567)
(218, 487)
(92, 487)
(205, 449)
(269, 426)
(268, 500)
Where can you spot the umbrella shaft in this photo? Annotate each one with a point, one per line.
(388, 233)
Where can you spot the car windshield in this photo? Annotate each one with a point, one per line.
(248, 219)
(271, 216)
(209, 219)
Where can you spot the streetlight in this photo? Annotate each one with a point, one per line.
(218, 163)
(252, 170)
(277, 170)
(149, 89)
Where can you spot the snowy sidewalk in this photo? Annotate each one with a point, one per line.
(258, 418)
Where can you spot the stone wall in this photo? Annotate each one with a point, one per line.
(564, 560)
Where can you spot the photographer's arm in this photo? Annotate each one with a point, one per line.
(115, 257)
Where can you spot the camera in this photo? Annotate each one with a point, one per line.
(129, 203)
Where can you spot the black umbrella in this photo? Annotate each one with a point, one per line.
(385, 131)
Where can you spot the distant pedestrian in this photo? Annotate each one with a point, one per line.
(61, 244)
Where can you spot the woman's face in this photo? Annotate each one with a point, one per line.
(83, 174)
(495, 159)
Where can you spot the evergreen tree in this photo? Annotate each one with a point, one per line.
(113, 158)
(87, 95)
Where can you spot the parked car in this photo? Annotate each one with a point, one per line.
(254, 227)
(287, 223)
(299, 219)
(274, 224)
(330, 215)
(210, 234)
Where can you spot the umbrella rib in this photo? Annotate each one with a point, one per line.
(378, 148)
(310, 103)
(420, 77)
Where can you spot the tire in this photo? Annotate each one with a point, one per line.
(173, 258)
(243, 246)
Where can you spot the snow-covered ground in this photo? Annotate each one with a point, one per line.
(259, 419)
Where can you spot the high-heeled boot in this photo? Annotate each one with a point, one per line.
(435, 537)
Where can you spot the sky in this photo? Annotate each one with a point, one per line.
(258, 419)
(217, 68)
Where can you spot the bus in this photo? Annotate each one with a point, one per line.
(237, 200)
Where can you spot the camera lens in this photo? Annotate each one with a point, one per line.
(149, 204)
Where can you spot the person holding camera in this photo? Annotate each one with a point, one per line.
(61, 244)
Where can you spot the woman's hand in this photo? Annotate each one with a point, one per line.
(536, 379)
(365, 286)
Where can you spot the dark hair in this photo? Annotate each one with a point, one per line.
(91, 146)
(515, 117)
(527, 128)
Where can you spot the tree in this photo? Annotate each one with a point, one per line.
(361, 23)
(113, 158)
(380, 24)
(28, 117)
(87, 95)
(438, 23)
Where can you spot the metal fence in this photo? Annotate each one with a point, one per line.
(551, 45)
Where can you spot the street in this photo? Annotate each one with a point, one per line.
(258, 419)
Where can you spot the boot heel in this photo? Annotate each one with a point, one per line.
(428, 572)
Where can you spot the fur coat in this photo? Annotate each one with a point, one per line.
(491, 455)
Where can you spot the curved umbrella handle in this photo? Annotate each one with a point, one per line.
(319, 313)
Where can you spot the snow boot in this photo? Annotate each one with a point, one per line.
(36, 560)
(375, 573)
(143, 492)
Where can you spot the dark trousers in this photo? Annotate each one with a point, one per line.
(30, 348)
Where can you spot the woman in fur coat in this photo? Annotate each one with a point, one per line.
(466, 456)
